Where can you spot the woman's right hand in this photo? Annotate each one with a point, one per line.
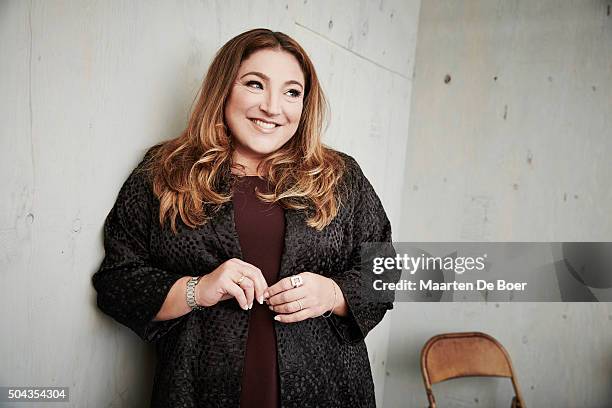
(222, 284)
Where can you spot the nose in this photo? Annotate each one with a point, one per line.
(271, 104)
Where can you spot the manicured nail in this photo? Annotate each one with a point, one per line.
(277, 318)
(261, 299)
(245, 307)
(250, 306)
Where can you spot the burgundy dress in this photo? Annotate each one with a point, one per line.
(261, 232)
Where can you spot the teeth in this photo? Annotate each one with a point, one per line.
(263, 124)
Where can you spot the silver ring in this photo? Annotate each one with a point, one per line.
(239, 281)
(300, 303)
(296, 281)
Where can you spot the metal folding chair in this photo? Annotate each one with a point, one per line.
(471, 354)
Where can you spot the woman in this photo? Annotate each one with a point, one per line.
(235, 247)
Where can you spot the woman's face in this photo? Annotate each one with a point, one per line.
(265, 103)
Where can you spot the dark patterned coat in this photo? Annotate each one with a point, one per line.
(323, 362)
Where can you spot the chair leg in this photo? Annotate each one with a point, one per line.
(431, 399)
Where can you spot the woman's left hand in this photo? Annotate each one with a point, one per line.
(311, 299)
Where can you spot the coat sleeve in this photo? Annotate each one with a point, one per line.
(371, 238)
(130, 288)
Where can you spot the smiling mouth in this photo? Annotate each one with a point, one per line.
(264, 124)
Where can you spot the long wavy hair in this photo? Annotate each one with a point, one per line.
(187, 171)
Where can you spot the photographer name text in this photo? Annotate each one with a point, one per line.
(430, 285)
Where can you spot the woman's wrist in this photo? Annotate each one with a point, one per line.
(339, 306)
(196, 294)
(199, 298)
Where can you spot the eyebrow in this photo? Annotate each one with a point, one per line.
(265, 77)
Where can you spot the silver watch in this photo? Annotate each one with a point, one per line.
(191, 300)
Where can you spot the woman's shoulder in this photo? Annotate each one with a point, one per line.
(144, 169)
(138, 186)
(351, 170)
(354, 184)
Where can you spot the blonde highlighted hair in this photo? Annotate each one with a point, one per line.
(187, 171)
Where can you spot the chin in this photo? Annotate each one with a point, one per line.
(264, 144)
(261, 148)
(264, 150)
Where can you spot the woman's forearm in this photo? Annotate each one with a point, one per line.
(175, 304)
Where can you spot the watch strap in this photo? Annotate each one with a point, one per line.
(190, 293)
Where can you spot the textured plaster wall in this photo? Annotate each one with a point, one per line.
(510, 140)
(86, 87)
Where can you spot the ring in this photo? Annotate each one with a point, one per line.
(300, 303)
(296, 281)
(239, 281)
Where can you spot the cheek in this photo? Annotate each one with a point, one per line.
(239, 103)
(230, 108)
(294, 113)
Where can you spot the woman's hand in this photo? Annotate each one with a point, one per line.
(232, 279)
(311, 299)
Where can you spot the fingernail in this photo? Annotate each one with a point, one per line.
(250, 306)
(245, 307)
(261, 299)
(277, 318)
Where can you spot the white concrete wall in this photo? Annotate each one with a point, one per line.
(516, 147)
(86, 87)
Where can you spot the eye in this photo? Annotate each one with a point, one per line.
(254, 84)
(294, 93)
